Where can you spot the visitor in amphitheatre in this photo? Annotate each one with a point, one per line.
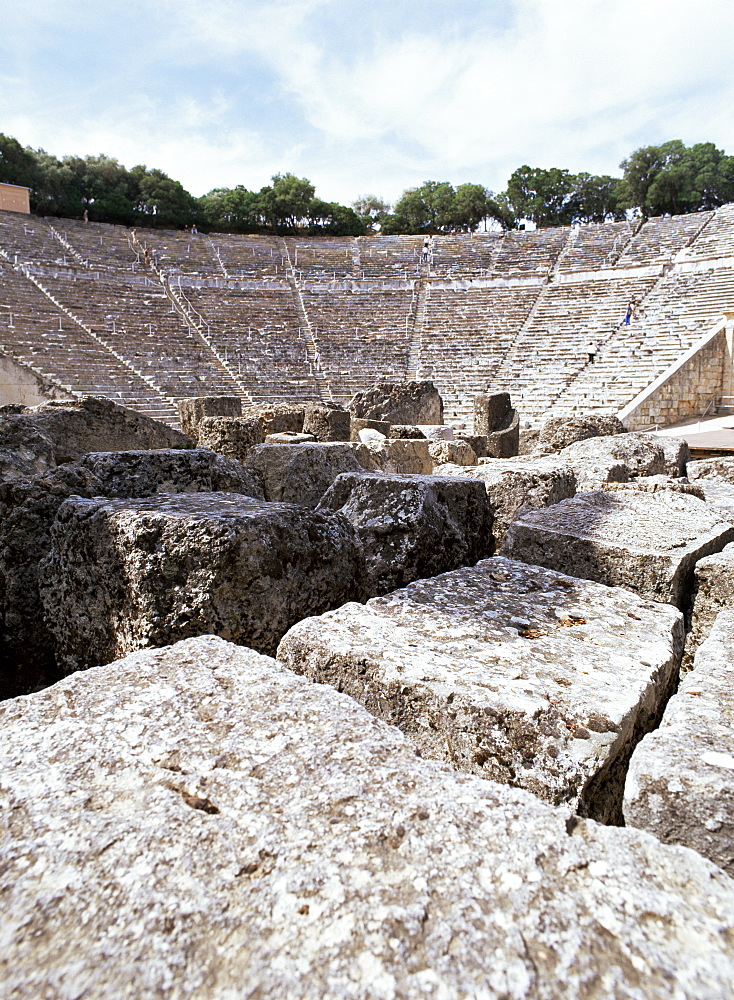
(134, 235)
(591, 349)
(426, 248)
(194, 230)
(630, 311)
(146, 256)
(85, 217)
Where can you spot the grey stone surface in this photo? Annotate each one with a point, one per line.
(508, 671)
(437, 432)
(712, 468)
(358, 424)
(713, 592)
(719, 494)
(599, 457)
(326, 423)
(456, 452)
(303, 473)
(478, 442)
(24, 450)
(677, 454)
(145, 473)
(648, 542)
(492, 412)
(399, 403)
(407, 456)
(517, 482)
(412, 527)
(289, 437)
(559, 432)
(126, 574)
(278, 418)
(405, 431)
(76, 427)
(192, 411)
(196, 823)
(680, 784)
(505, 443)
(232, 437)
(654, 484)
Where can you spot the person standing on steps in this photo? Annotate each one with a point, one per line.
(630, 312)
(592, 350)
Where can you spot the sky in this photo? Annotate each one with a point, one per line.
(365, 96)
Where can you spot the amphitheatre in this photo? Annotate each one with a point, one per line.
(359, 637)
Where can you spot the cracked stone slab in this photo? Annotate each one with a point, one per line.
(196, 822)
(713, 592)
(712, 468)
(408, 456)
(126, 574)
(648, 542)
(508, 671)
(680, 784)
(302, 473)
(412, 526)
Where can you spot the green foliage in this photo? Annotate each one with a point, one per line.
(16, 164)
(435, 207)
(671, 178)
(286, 204)
(330, 219)
(371, 209)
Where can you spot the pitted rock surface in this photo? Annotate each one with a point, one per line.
(357, 424)
(326, 423)
(192, 411)
(197, 822)
(518, 482)
(302, 473)
(600, 458)
(719, 494)
(278, 418)
(402, 456)
(233, 437)
(680, 785)
(559, 432)
(508, 671)
(455, 452)
(404, 431)
(677, 454)
(399, 403)
(648, 542)
(477, 442)
(126, 574)
(713, 592)
(412, 527)
(24, 450)
(654, 484)
(712, 468)
(145, 473)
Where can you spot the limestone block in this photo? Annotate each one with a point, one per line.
(278, 418)
(648, 542)
(232, 437)
(326, 423)
(303, 473)
(93, 423)
(126, 574)
(456, 452)
(677, 454)
(505, 443)
(712, 468)
(289, 437)
(508, 671)
(600, 458)
(192, 411)
(167, 470)
(402, 455)
(492, 412)
(24, 450)
(399, 403)
(358, 424)
(367, 434)
(436, 432)
(405, 431)
(477, 442)
(199, 823)
(653, 484)
(559, 432)
(713, 592)
(719, 494)
(516, 482)
(412, 527)
(680, 785)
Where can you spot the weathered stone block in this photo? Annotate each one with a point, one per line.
(437, 432)
(477, 442)
(126, 574)
(303, 473)
(412, 527)
(405, 431)
(221, 827)
(289, 437)
(402, 455)
(399, 403)
(648, 542)
(326, 423)
(713, 592)
(167, 470)
(680, 785)
(676, 452)
(599, 459)
(492, 412)
(559, 432)
(232, 437)
(517, 482)
(192, 411)
(508, 671)
(24, 450)
(712, 468)
(457, 452)
(278, 418)
(358, 424)
(505, 443)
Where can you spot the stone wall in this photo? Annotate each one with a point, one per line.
(21, 385)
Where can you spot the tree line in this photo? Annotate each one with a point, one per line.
(656, 180)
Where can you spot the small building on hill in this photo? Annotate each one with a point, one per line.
(14, 198)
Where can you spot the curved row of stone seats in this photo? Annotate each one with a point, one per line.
(396, 257)
(660, 238)
(179, 253)
(103, 246)
(472, 254)
(35, 333)
(324, 258)
(27, 239)
(530, 252)
(594, 246)
(716, 239)
(255, 257)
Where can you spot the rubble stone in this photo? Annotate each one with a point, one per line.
(192, 411)
(508, 671)
(477, 442)
(278, 418)
(303, 473)
(713, 592)
(358, 424)
(326, 423)
(407, 456)
(599, 457)
(719, 494)
(232, 437)
(505, 443)
(399, 403)
(492, 412)
(24, 450)
(648, 542)
(517, 482)
(456, 452)
(197, 822)
(677, 454)
(289, 437)
(712, 468)
(680, 785)
(405, 431)
(559, 432)
(126, 574)
(412, 527)
(437, 432)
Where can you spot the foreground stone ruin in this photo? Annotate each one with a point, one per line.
(210, 823)
(200, 822)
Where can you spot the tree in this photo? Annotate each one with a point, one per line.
(544, 196)
(162, 201)
(332, 219)
(596, 198)
(286, 203)
(372, 209)
(672, 179)
(17, 165)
